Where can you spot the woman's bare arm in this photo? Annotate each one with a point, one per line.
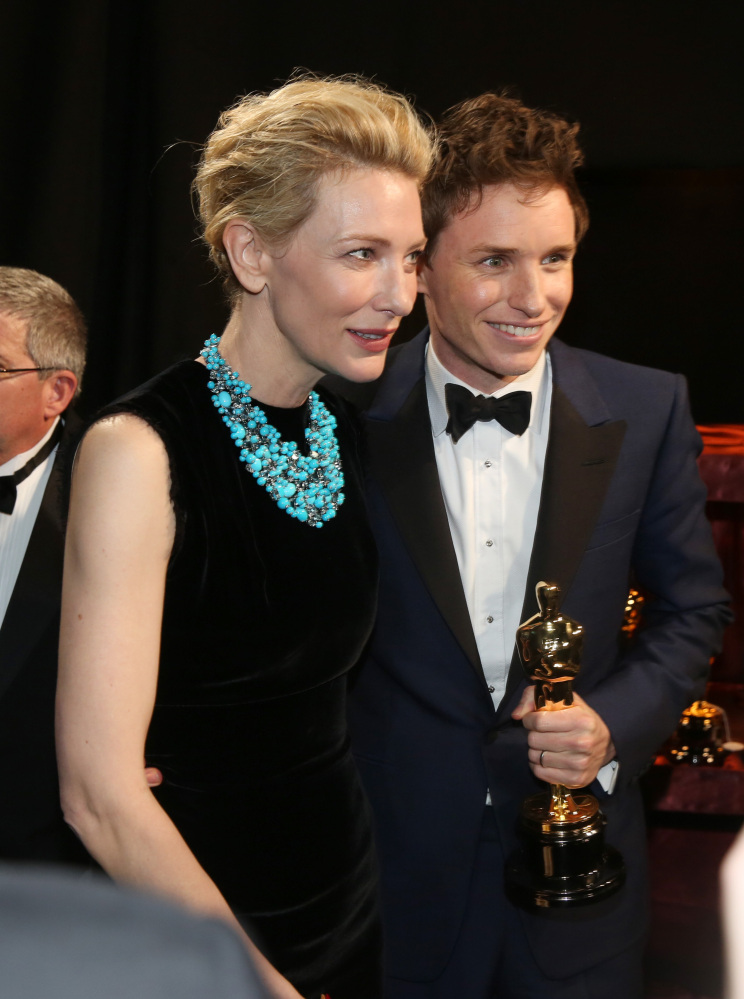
(119, 538)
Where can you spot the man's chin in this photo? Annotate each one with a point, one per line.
(521, 363)
(504, 374)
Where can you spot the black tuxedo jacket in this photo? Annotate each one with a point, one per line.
(621, 500)
(31, 823)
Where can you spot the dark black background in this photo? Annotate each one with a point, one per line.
(102, 106)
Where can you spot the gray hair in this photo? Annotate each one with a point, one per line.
(56, 334)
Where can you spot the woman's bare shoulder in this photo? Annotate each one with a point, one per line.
(122, 444)
(122, 430)
(122, 473)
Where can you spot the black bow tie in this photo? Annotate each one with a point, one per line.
(8, 483)
(512, 411)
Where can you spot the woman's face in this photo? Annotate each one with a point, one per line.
(338, 291)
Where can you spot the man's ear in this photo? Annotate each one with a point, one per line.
(246, 253)
(422, 269)
(59, 389)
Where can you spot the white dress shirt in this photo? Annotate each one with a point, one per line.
(491, 482)
(16, 528)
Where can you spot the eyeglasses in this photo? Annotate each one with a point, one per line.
(20, 371)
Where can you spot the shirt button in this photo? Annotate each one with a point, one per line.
(488, 463)
(489, 543)
(490, 619)
(491, 689)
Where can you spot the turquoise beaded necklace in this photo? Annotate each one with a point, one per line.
(307, 487)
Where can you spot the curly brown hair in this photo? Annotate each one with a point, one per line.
(495, 139)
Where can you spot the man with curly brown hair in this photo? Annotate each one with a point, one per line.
(500, 457)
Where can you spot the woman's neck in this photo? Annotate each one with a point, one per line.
(253, 346)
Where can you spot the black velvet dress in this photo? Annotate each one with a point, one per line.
(263, 618)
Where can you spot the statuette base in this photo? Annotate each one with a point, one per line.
(564, 861)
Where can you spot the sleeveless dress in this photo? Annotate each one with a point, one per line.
(263, 618)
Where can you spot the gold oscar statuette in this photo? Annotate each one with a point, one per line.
(563, 860)
(701, 736)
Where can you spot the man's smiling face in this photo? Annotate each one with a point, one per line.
(498, 283)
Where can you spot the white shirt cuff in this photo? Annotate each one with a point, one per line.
(607, 776)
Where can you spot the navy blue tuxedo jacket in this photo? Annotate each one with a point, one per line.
(621, 501)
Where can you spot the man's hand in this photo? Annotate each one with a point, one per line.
(574, 742)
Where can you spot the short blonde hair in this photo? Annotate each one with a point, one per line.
(56, 334)
(268, 152)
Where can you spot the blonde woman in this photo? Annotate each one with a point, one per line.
(220, 576)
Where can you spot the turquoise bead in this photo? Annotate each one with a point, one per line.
(278, 465)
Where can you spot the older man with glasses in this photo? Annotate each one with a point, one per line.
(42, 357)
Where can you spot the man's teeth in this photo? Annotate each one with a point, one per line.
(516, 330)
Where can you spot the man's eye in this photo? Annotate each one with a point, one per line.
(555, 258)
(494, 261)
(363, 253)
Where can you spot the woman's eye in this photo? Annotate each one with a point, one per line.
(415, 256)
(363, 253)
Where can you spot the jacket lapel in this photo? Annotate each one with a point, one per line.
(402, 461)
(34, 605)
(583, 448)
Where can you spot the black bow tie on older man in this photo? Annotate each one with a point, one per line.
(8, 483)
(512, 411)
